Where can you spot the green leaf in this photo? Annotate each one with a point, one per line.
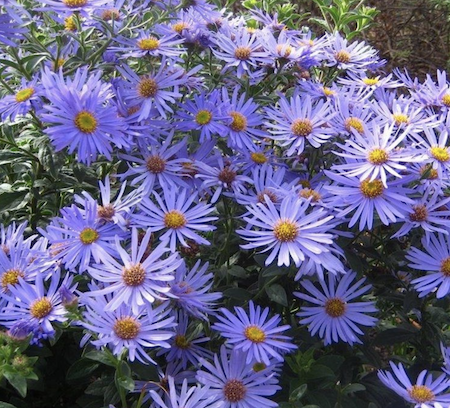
(13, 200)
(277, 294)
(123, 377)
(237, 293)
(102, 357)
(81, 369)
(395, 335)
(351, 388)
(298, 393)
(332, 361)
(17, 381)
(320, 371)
(237, 271)
(6, 405)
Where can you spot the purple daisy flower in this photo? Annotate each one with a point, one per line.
(190, 290)
(139, 278)
(334, 317)
(242, 50)
(425, 393)
(299, 119)
(121, 329)
(154, 90)
(436, 152)
(67, 7)
(82, 119)
(435, 261)
(254, 334)
(295, 230)
(178, 215)
(233, 382)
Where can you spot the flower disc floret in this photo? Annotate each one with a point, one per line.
(310, 193)
(133, 275)
(106, 212)
(24, 94)
(440, 154)
(147, 88)
(378, 156)
(41, 308)
(174, 219)
(234, 390)
(354, 123)
(302, 127)
(446, 99)
(285, 231)
(11, 277)
(371, 189)
(203, 117)
(148, 44)
(111, 14)
(88, 236)
(284, 50)
(227, 175)
(270, 194)
(445, 266)
(400, 118)
(335, 307)
(420, 213)
(371, 81)
(86, 122)
(254, 334)
(421, 393)
(342, 56)
(179, 27)
(70, 24)
(126, 328)
(182, 342)
(243, 53)
(239, 122)
(75, 3)
(155, 164)
(258, 158)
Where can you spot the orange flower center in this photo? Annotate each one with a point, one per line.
(335, 307)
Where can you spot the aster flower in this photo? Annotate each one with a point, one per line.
(138, 278)
(334, 317)
(190, 290)
(67, 7)
(192, 397)
(242, 120)
(27, 98)
(241, 51)
(178, 216)
(121, 329)
(185, 346)
(254, 334)
(153, 90)
(203, 114)
(435, 260)
(233, 382)
(81, 119)
(80, 236)
(424, 393)
(367, 197)
(436, 151)
(35, 303)
(288, 232)
(297, 120)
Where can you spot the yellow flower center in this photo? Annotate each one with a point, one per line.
(106, 212)
(134, 275)
(181, 342)
(126, 328)
(69, 23)
(371, 189)
(328, 91)
(445, 266)
(179, 27)
(75, 3)
(88, 236)
(41, 308)
(227, 175)
(378, 156)
(400, 118)
(85, 121)
(174, 219)
(203, 117)
(420, 213)
(155, 164)
(446, 99)
(258, 158)
(440, 154)
(371, 81)
(342, 56)
(257, 367)
(284, 50)
(234, 390)
(310, 193)
(302, 127)
(147, 88)
(355, 123)
(285, 231)
(335, 307)
(239, 122)
(148, 44)
(58, 64)
(11, 277)
(254, 334)
(421, 393)
(428, 172)
(242, 53)
(24, 94)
